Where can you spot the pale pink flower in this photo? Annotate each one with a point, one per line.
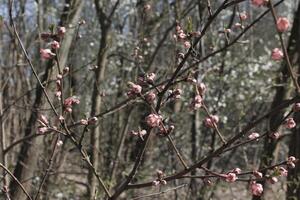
(43, 120)
(236, 170)
(201, 88)
(61, 31)
(55, 45)
(71, 100)
(147, 7)
(163, 182)
(231, 177)
(134, 89)
(211, 120)
(93, 120)
(258, 2)
(290, 123)
(243, 16)
(257, 174)
(291, 161)
(187, 44)
(150, 77)
(66, 70)
(277, 54)
(275, 135)
(155, 183)
(42, 129)
(46, 53)
(253, 136)
(150, 97)
(282, 24)
(153, 120)
(84, 122)
(197, 102)
(296, 107)
(283, 171)
(61, 118)
(256, 189)
(59, 143)
(273, 180)
(181, 35)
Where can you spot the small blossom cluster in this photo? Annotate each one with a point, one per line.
(134, 89)
(153, 120)
(253, 136)
(256, 188)
(175, 94)
(86, 122)
(146, 79)
(184, 37)
(160, 179)
(140, 133)
(54, 44)
(291, 162)
(290, 123)
(211, 121)
(44, 124)
(69, 102)
(232, 175)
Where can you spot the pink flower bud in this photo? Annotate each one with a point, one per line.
(46, 54)
(155, 183)
(231, 177)
(283, 171)
(134, 89)
(59, 76)
(277, 54)
(59, 143)
(273, 180)
(66, 70)
(258, 2)
(150, 77)
(43, 120)
(163, 182)
(291, 161)
(256, 189)
(243, 16)
(236, 170)
(61, 31)
(153, 120)
(61, 118)
(257, 174)
(84, 122)
(282, 24)
(55, 45)
(150, 97)
(197, 102)
(253, 136)
(290, 123)
(211, 120)
(147, 7)
(93, 120)
(201, 88)
(187, 44)
(69, 109)
(275, 135)
(42, 129)
(296, 107)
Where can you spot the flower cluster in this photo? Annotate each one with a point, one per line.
(134, 89)
(153, 120)
(69, 102)
(44, 124)
(160, 179)
(256, 188)
(211, 121)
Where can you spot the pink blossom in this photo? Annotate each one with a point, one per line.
(201, 88)
(153, 120)
(243, 16)
(236, 170)
(258, 2)
(253, 136)
(59, 143)
(134, 89)
(275, 135)
(71, 100)
(93, 120)
(197, 102)
(150, 97)
(147, 7)
(282, 24)
(150, 77)
(46, 53)
(277, 54)
(42, 129)
(211, 120)
(61, 31)
(163, 182)
(66, 70)
(155, 183)
(187, 44)
(290, 123)
(231, 177)
(257, 174)
(256, 189)
(43, 120)
(84, 122)
(296, 107)
(55, 45)
(291, 161)
(273, 180)
(283, 171)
